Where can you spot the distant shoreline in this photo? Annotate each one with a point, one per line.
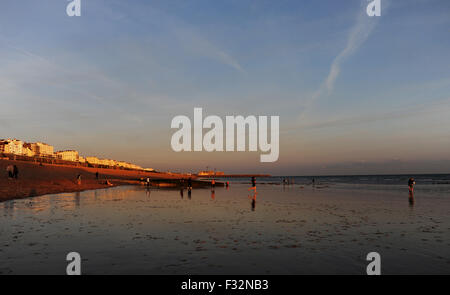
(37, 179)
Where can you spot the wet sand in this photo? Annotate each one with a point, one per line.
(286, 230)
(36, 180)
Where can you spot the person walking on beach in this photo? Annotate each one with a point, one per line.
(253, 184)
(189, 188)
(15, 172)
(213, 184)
(189, 184)
(79, 179)
(148, 181)
(411, 183)
(96, 175)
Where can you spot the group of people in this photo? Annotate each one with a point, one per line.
(13, 171)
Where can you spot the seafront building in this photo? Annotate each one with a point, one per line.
(11, 146)
(27, 152)
(43, 150)
(69, 155)
(40, 149)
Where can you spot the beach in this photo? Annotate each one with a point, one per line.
(286, 229)
(35, 179)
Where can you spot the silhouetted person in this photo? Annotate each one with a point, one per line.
(411, 183)
(15, 172)
(79, 179)
(96, 175)
(313, 181)
(189, 184)
(227, 184)
(10, 171)
(148, 182)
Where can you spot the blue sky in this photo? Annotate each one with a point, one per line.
(354, 94)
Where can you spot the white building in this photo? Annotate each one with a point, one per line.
(11, 146)
(69, 155)
(40, 148)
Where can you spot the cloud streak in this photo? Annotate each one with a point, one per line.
(358, 34)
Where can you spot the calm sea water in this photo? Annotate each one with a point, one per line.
(436, 184)
(283, 229)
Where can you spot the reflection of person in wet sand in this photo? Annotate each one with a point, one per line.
(227, 185)
(253, 200)
(181, 193)
(77, 199)
(213, 194)
(189, 193)
(411, 198)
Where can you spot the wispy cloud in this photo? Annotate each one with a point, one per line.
(194, 42)
(187, 34)
(358, 34)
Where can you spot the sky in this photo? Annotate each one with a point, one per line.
(355, 94)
